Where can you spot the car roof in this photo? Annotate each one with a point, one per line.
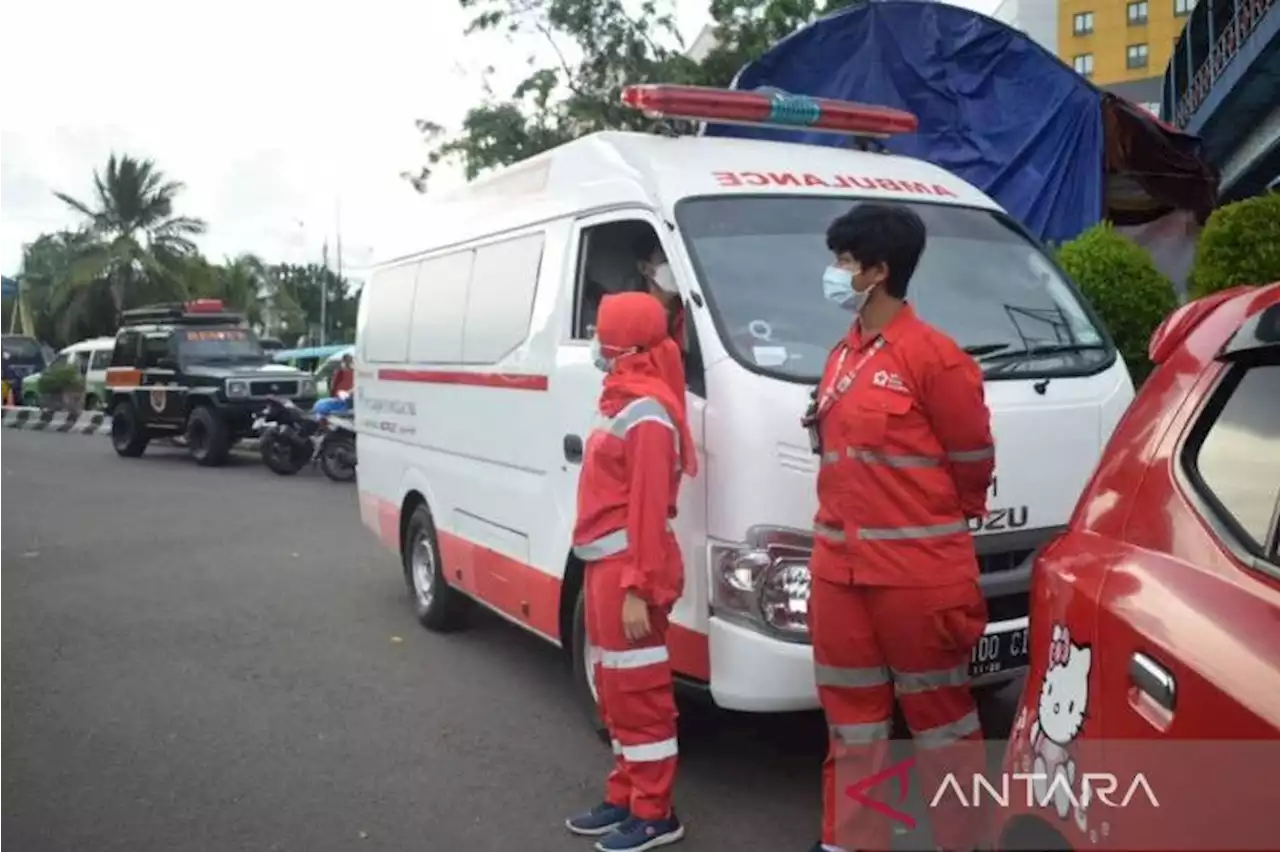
(92, 343)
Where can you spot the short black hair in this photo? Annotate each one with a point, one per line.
(891, 234)
(646, 244)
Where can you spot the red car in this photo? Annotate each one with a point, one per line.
(1155, 617)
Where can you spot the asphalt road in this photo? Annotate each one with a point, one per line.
(224, 660)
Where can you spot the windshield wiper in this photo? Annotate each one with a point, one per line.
(1002, 361)
(986, 348)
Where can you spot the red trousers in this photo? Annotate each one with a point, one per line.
(636, 693)
(872, 644)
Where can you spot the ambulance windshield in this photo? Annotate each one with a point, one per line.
(761, 260)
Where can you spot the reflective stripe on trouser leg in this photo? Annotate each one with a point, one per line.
(638, 689)
(928, 635)
(617, 787)
(857, 699)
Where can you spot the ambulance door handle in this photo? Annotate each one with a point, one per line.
(573, 448)
(1153, 680)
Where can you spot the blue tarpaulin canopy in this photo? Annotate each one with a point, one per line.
(994, 107)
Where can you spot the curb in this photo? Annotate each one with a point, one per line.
(38, 420)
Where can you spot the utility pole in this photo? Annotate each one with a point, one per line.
(338, 217)
(324, 292)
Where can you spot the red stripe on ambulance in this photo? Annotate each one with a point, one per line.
(509, 381)
(909, 187)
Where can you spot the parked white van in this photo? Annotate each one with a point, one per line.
(475, 388)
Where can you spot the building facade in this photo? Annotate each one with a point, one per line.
(1122, 45)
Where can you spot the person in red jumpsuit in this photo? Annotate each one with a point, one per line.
(902, 431)
(627, 491)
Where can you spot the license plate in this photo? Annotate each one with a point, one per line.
(996, 652)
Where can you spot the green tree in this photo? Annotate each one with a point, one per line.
(297, 292)
(1240, 244)
(569, 99)
(49, 264)
(138, 243)
(1121, 281)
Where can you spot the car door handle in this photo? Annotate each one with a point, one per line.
(573, 448)
(1153, 680)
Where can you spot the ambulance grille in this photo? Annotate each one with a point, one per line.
(994, 563)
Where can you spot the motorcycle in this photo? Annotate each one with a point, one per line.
(289, 436)
(337, 450)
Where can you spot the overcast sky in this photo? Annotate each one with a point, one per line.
(269, 111)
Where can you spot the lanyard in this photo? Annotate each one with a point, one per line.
(841, 384)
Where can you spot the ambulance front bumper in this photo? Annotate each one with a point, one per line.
(756, 673)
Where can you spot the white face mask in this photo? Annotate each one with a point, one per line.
(664, 279)
(603, 364)
(837, 286)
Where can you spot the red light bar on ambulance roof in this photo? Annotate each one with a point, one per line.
(769, 107)
(204, 306)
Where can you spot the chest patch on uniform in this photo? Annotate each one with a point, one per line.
(889, 380)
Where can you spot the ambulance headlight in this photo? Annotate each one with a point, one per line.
(784, 598)
(763, 583)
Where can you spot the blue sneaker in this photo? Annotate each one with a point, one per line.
(600, 820)
(636, 835)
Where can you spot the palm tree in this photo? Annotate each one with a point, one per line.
(138, 241)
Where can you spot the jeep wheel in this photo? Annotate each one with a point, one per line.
(207, 437)
(127, 436)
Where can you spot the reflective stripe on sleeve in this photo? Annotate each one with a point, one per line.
(892, 459)
(650, 752)
(909, 683)
(867, 732)
(617, 746)
(904, 533)
(850, 677)
(972, 455)
(945, 735)
(606, 545)
(635, 658)
(828, 532)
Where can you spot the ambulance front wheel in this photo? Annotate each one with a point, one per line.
(584, 685)
(438, 607)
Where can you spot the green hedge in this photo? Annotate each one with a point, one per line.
(1240, 244)
(1122, 283)
(59, 379)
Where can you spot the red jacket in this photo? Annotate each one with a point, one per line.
(343, 380)
(627, 494)
(907, 458)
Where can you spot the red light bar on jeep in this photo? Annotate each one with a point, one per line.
(768, 108)
(204, 306)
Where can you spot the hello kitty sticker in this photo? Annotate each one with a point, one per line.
(1062, 711)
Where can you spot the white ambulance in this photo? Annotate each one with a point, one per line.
(476, 389)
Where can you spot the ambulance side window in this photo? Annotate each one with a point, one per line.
(607, 263)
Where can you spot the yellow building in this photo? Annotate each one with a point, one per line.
(1120, 41)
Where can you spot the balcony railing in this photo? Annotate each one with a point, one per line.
(1214, 34)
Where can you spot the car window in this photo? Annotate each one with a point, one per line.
(61, 359)
(220, 345)
(101, 359)
(23, 348)
(1238, 459)
(82, 362)
(980, 280)
(155, 347)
